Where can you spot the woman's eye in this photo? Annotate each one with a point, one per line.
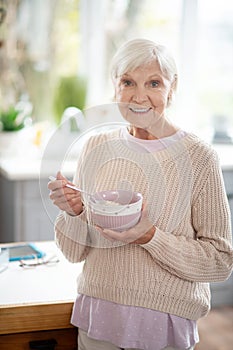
(127, 82)
(154, 83)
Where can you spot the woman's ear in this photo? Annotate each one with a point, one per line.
(169, 97)
(174, 83)
(172, 91)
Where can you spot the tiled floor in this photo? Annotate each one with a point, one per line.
(216, 330)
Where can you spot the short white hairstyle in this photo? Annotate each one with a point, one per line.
(138, 52)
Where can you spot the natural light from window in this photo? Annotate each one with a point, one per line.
(199, 33)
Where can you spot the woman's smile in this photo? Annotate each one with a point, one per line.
(139, 110)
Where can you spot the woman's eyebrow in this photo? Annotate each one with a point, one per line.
(125, 75)
(155, 76)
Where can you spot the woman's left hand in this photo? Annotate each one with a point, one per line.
(141, 233)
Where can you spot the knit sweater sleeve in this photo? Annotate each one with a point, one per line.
(208, 256)
(71, 236)
(71, 232)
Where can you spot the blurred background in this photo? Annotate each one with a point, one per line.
(56, 53)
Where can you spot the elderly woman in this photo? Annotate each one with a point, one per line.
(146, 287)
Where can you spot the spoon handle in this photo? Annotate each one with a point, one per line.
(52, 178)
(75, 188)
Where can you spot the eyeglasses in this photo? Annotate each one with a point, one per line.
(37, 262)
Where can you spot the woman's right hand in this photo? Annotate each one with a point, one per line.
(65, 198)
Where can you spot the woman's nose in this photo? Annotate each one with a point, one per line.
(140, 95)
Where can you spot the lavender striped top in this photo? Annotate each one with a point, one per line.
(129, 326)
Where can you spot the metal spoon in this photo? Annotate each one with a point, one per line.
(52, 178)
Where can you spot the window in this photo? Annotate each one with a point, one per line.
(199, 33)
(215, 68)
(78, 37)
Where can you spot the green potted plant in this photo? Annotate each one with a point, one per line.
(12, 121)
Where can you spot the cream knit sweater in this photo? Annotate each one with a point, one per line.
(186, 200)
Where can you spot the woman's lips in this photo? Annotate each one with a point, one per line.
(140, 110)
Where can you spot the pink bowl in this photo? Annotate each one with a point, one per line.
(123, 213)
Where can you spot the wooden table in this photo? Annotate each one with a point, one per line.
(36, 303)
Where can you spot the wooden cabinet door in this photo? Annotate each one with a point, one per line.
(66, 339)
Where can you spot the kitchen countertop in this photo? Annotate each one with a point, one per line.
(41, 284)
(30, 169)
(23, 169)
(38, 298)
(225, 153)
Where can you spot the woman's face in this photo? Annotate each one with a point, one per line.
(143, 95)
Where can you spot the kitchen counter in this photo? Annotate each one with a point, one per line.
(33, 169)
(52, 283)
(29, 169)
(36, 303)
(225, 153)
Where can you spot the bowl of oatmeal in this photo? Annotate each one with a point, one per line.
(117, 209)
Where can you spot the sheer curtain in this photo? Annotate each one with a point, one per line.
(199, 34)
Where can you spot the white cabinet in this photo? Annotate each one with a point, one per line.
(26, 212)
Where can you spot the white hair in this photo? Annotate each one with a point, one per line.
(138, 52)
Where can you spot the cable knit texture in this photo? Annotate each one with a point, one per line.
(184, 191)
